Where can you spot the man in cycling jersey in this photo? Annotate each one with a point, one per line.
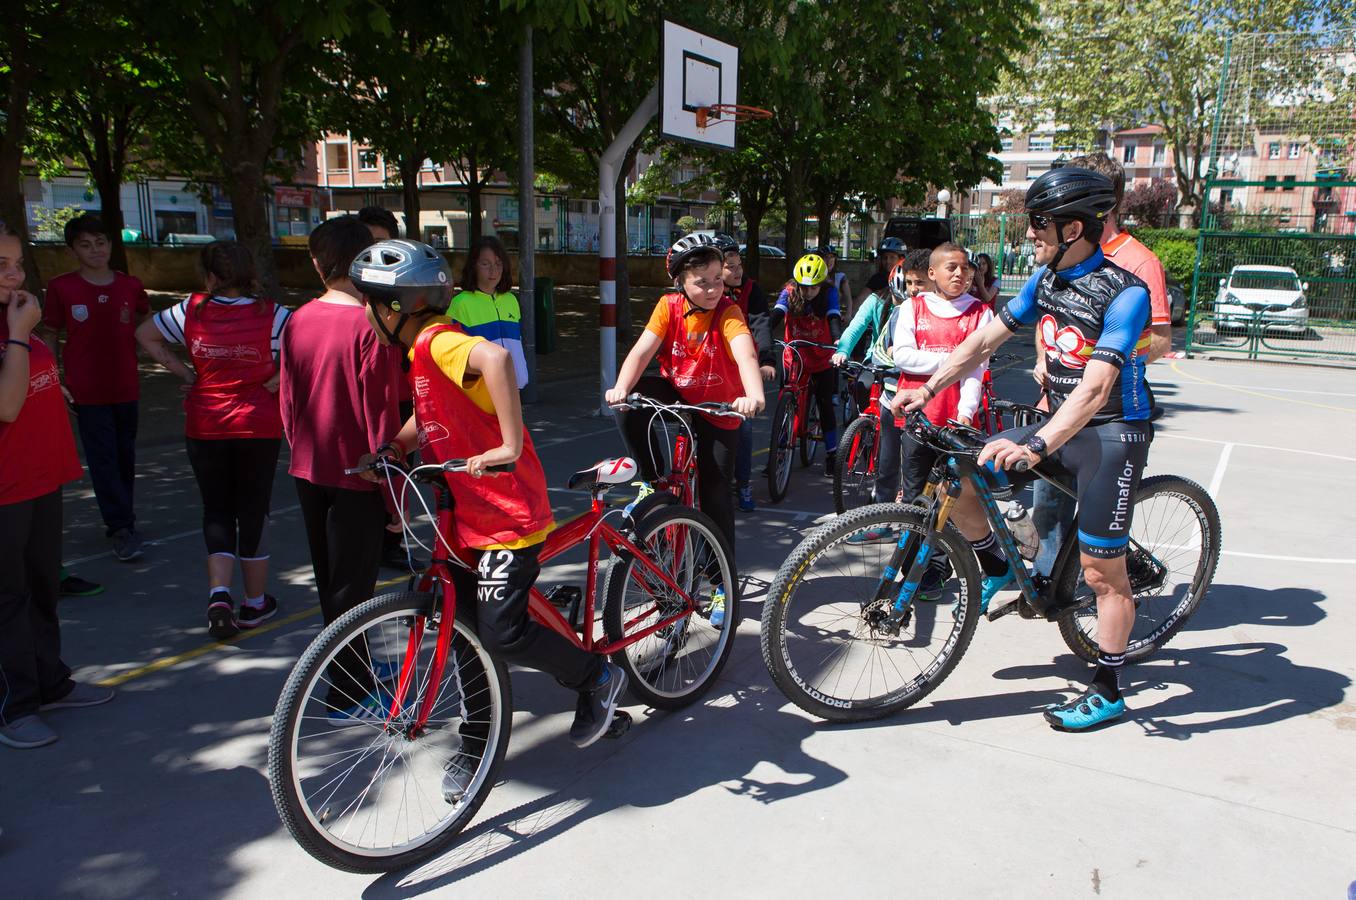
(1094, 322)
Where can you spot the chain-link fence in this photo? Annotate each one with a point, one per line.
(1003, 237)
(1275, 269)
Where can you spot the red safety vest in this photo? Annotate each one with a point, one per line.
(808, 328)
(933, 332)
(231, 351)
(494, 509)
(706, 373)
(37, 450)
(741, 296)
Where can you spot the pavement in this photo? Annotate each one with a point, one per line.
(1232, 775)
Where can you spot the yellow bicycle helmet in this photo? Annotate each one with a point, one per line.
(810, 270)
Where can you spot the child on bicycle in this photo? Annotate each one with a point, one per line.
(809, 308)
(466, 405)
(752, 303)
(925, 333)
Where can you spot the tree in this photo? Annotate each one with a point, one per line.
(1104, 64)
(1150, 204)
(247, 91)
(101, 113)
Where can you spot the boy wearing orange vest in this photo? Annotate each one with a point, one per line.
(466, 406)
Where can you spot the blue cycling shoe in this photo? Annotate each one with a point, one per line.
(1088, 710)
(992, 585)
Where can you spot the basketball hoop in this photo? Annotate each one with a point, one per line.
(729, 112)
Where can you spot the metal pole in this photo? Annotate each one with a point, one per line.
(607, 241)
(527, 218)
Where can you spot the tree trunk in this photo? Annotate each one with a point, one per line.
(824, 212)
(474, 223)
(109, 185)
(250, 216)
(409, 190)
(793, 190)
(12, 209)
(753, 222)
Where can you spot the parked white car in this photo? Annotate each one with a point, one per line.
(1274, 291)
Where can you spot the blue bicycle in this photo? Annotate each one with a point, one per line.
(859, 629)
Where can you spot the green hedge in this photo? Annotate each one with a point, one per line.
(1175, 248)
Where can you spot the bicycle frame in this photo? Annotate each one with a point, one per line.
(591, 527)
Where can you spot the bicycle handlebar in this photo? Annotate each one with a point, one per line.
(800, 343)
(711, 408)
(854, 366)
(452, 465)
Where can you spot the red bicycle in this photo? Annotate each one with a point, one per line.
(989, 416)
(379, 782)
(859, 449)
(681, 478)
(794, 421)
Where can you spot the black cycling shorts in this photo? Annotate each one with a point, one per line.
(1106, 462)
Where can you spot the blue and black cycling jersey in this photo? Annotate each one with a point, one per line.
(1092, 310)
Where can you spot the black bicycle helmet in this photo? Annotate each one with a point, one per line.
(685, 248)
(825, 250)
(407, 276)
(1071, 193)
(726, 244)
(891, 245)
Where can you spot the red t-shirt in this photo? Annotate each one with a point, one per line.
(338, 392)
(37, 450)
(101, 323)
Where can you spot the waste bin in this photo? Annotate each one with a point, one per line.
(544, 308)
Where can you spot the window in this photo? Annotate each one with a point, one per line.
(1270, 183)
(1034, 172)
(1007, 174)
(993, 200)
(1129, 153)
(1160, 154)
(367, 160)
(1274, 150)
(1226, 196)
(1294, 151)
(336, 158)
(1041, 143)
(1289, 181)
(1005, 143)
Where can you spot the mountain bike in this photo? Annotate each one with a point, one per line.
(854, 476)
(385, 788)
(855, 631)
(795, 421)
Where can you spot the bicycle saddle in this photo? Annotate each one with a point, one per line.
(621, 470)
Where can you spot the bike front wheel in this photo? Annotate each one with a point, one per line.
(854, 474)
(833, 650)
(1175, 534)
(678, 662)
(812, 435)
(781, 448)
(357, 785)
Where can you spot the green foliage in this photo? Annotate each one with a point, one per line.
(50, 224)
(1178, 259)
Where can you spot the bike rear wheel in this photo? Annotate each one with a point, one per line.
(824, 641)
(781, 447)
(359, 792)
(680, 661)
(1177, 524)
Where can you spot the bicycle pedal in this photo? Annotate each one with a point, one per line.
(621, 723)
(1001, 611)
(569, 599)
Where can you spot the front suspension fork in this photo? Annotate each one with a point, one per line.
(914, 552)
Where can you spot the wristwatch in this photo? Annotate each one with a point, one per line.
(1036, 444)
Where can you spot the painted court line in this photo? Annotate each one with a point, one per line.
(1220, 466)
(1188, 437)
(1176, 368)
(170, 538)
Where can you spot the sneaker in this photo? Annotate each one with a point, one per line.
(992, 585)
(830, 462)
(1088, 710)
(128, 545)
(80, 696)
(715, 611)
(746, 503)
(875, 535)
(939, 570)
(369, 712)
(458, 774)
(75, 586)
(27, 732)
(221, 622)
(645, 490)
(597, 706)
(250, 617)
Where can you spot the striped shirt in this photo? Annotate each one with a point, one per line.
(495, 318)
(170, 322)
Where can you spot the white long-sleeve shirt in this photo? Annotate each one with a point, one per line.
(908, 358)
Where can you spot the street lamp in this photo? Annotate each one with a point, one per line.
(943, 198)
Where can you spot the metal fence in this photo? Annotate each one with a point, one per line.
(1003, 237)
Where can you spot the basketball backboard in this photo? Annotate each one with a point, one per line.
(697, 71)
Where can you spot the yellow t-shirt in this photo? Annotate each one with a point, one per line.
(451, 351)
(731, 324)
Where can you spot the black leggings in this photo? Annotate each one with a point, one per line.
(716, 449)
(235, 478)
(823, 386)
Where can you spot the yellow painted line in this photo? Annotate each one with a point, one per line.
(1286, 400)
(166, 662)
